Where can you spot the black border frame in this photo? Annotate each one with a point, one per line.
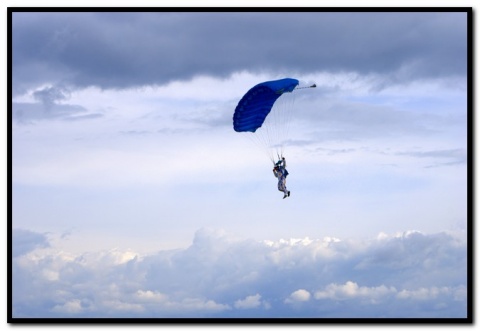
(470, 172)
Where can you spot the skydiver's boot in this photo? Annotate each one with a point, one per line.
(288, 193)
(285, 195)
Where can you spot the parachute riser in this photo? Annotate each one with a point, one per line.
(300, 88)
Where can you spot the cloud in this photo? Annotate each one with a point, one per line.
(352, 290)
(29, 113)
(101, 49)
(71, 307)
(451, 157)
(130, 110)
(354, 298)
(298, 296)
(25, 241)
(250, 302)
(410, 274)
(151, 296)
(342, 120)
(49, 103)
(50, 95)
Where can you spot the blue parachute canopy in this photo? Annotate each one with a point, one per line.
(256, 104)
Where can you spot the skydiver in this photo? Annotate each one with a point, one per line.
(280, 171)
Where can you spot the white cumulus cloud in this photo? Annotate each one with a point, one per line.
(351, 290)
(252, 301)
(410, 275)
(298, 296)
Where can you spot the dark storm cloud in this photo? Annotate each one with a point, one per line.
(119, 50)
(50, 95)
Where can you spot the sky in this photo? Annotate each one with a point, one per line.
(134, 197)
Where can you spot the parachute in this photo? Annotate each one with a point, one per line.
(264, 114)
(256, 104)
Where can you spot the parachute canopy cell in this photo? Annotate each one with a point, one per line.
(256, 104)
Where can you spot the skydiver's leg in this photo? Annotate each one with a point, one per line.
(286, 192)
